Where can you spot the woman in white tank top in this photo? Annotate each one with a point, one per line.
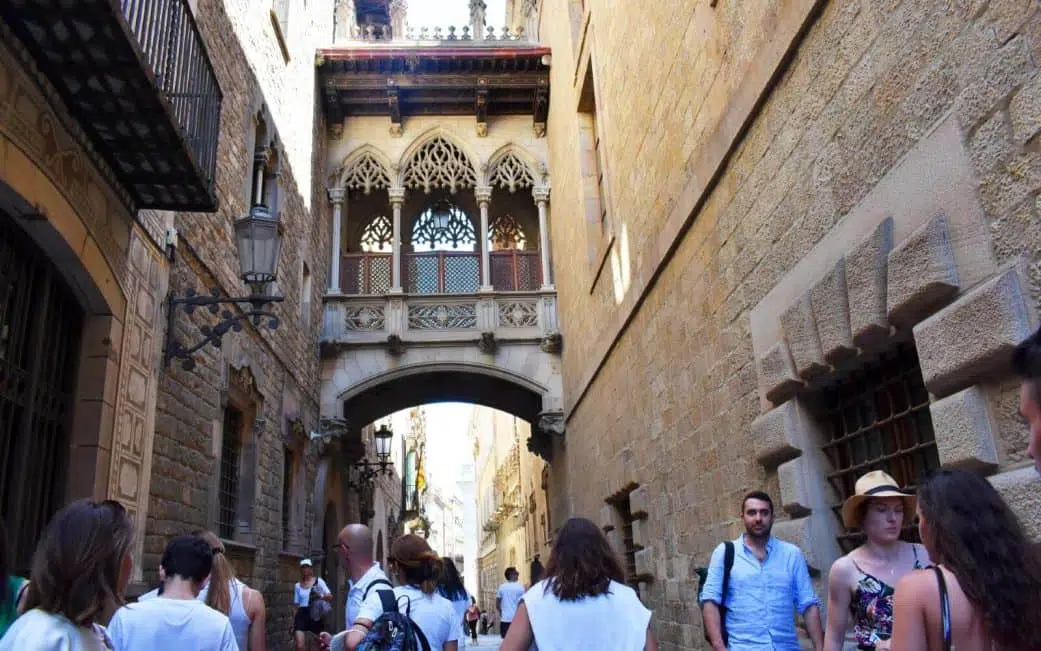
(243, 605)
(582, 603)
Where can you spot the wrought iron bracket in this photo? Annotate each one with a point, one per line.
(368, 471)
(253, 308)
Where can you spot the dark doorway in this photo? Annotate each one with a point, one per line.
(41, 323)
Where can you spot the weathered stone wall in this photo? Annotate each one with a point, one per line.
(664, 357)
(253, 74)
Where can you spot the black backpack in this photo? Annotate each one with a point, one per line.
(394, 630)
(728, 564)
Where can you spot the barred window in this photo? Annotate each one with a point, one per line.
(623, 509)
(231, 447)
(878, 419)
(287, 493)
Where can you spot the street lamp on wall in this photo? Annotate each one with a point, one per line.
(368, 471)
(259, 243)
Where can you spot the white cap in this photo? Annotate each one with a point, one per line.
(306, 563)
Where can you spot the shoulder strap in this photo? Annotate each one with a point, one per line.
(945, 608)
(728, 564)
(375, 583)
(388, 600)
(423, 642)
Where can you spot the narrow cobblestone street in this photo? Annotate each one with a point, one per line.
(485, 643)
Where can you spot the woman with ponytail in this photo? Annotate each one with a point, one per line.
(415, 568)
(243, 605)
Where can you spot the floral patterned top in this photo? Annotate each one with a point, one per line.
(872, 607)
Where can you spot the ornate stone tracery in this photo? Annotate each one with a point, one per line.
(366, 174)
(439, 163)
(506, 234)
(378, 236)
(457, 231)
(512, 173)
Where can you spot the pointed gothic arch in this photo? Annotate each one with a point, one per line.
(512, 167)
(437, 160)
(366, 169)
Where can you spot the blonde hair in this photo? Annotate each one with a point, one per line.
(418, 564)
(218, 593)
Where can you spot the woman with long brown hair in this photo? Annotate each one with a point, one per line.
(984, 591)
(80, 572)
(243, 605)
(582, 603)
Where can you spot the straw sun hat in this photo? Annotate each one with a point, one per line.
(875, 484)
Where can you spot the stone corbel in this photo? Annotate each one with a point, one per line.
(394, 109)
(550, 425)
(481, 108)
(552, 343)
(541, 108)
(395, 346)
(487, 344)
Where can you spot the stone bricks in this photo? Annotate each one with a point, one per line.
(866, 269)
(780, 434)
(1019, 488)
(975, 335)
(778, 374)
(922, 273)
(831, 314)
(1025, 109)
(965, 430)
(800, 330)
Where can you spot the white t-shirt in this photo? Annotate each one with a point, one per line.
(511, 594)
(39, 630)
(164, 623)
(302, 595)
(616, 621)
(432, 613)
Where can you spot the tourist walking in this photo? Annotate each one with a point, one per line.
(582, 602)
(354, 546)
(860, 584)
(225, 593)
(507, 598)
(1026, 358)
(177, 619)
(984, 592)
(308, 588)
(80, 572)
(768, 576)
(450, 586)
(415, 568)
(473, 616)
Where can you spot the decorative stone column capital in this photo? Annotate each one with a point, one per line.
(397, 195)
(336, 195)
(483, 193)
(540, 193)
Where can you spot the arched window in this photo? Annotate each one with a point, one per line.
(378, 236)
(443, 227)
(505, 234)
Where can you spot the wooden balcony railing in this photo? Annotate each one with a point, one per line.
(440, 272)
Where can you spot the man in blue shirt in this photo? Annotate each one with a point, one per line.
(768, 578)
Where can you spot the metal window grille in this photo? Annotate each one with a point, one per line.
(287, 484)
(231, 449)
(878, 418)
(40, 328)
(629, 547)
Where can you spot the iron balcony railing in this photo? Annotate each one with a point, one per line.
(440, 272)
(170, 41)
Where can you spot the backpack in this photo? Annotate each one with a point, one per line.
(728, 564)
(394, 630)
(374, 584)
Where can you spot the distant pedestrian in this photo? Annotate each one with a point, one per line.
(450, 586)
(243, 605)
(582, 603)
(768, 576)
(473, 615)
(860, 584)
(307, 588)
(1026, 359)
(508, 598)
(985, 590)
(80, 572)
(177, 619)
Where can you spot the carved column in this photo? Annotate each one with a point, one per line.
(541, 194)
(484, 197)
(398, 14)
(336, 196)
(477, 8)
(397, 198)
(346, 20)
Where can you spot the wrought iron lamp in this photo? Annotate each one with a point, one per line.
(259, 242)
(368, 471)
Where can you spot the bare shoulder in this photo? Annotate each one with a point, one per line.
(917, 583)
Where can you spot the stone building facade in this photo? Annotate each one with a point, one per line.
(801, 241)
(512, 511)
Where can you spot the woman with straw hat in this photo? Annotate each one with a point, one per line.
(860, 585)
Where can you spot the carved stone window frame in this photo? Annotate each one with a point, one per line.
(240, 392)
(294, 442)
(913, 258)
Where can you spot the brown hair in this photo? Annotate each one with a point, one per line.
(218, 591)
(78, 562)
(1026, 360)
(418, 564)
(582, 563)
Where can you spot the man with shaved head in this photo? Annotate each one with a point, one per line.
(354, 545)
